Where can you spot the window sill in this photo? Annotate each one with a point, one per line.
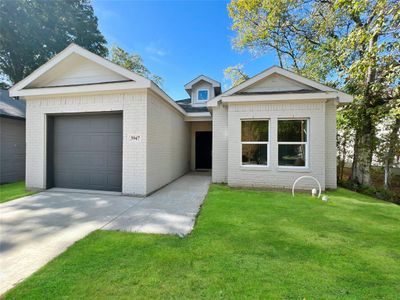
(200, 103)
(294, 169)
(255, 168)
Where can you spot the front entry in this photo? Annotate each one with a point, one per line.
(203, 149)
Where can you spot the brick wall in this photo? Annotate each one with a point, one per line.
(330, 142)
(168, 144)
(273, 175)
(133, 107)
(220, 144)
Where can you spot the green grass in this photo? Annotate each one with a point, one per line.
(246, 245)
(11, 191)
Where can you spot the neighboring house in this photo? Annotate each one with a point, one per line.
(12, 139)
(92, 124)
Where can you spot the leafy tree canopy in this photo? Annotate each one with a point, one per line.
(351, 44)
(235, 74)
(132, 62)
(32, 31)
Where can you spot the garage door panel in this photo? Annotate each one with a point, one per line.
(115, 142)
(113, 163)
(114, 179)
(88, 151)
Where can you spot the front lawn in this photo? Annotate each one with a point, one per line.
(246, 245)
(11, 191)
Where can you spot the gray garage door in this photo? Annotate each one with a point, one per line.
(87, 151)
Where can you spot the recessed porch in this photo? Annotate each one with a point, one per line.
(201, 145)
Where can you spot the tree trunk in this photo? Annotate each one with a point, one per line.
(344, 155)
(363, 149)
(393, 143)
(364, 143)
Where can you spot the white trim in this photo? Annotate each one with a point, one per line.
(267, 166)
(279, 97)
(157, 90)
(199, 116)
(198, 119)
(255, 167)
(214, 83)
(79, 89)
(137, 81)
(75, 49)
(342, 97)
(202, 100)
(307, 145)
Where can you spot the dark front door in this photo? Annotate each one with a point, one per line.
(86, 152)
(203, 149)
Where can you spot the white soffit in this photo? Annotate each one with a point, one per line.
(70, 66)
(264, 82)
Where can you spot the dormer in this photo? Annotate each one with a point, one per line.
(201, 89)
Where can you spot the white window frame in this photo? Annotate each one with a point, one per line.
(253, 143)
(307, 155)
(202, 90)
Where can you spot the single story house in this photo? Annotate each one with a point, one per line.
(92, 124)
(12, 139)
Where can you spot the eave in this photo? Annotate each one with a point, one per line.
(282, 97)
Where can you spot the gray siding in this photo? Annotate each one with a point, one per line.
(12, 150)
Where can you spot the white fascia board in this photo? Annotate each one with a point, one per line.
(214, 101)
(199, 114)
(202, 77)
(113, 86)
(41, 70)
(343, 97)
(280, 97)
(196, 117)
(110, 65)
(71, 49)
(156, 89)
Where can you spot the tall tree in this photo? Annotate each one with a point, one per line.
(132, 62)
(350, 44)
(235, 74)
(32, 31)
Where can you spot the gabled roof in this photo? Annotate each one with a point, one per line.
(317, 89)
(128, 79)
(11, 108)
(202, 77)
(215, 84)
(71, 50)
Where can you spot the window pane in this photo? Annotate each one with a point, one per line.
(255, 131)
(292, 155)
(292, 130)
(202, 95)
(254, 154)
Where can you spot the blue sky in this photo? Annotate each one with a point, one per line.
(178, 40)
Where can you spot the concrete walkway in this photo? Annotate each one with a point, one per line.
(37, 228)
(171, 210)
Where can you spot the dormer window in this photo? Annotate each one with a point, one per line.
(202, 95)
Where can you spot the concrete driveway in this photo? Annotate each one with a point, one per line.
(37, 228)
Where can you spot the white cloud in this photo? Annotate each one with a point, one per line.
(151, 49)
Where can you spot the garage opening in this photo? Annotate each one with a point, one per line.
(84, 151)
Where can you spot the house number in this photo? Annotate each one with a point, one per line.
(134, 138)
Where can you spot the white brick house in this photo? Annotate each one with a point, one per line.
(91, 124)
